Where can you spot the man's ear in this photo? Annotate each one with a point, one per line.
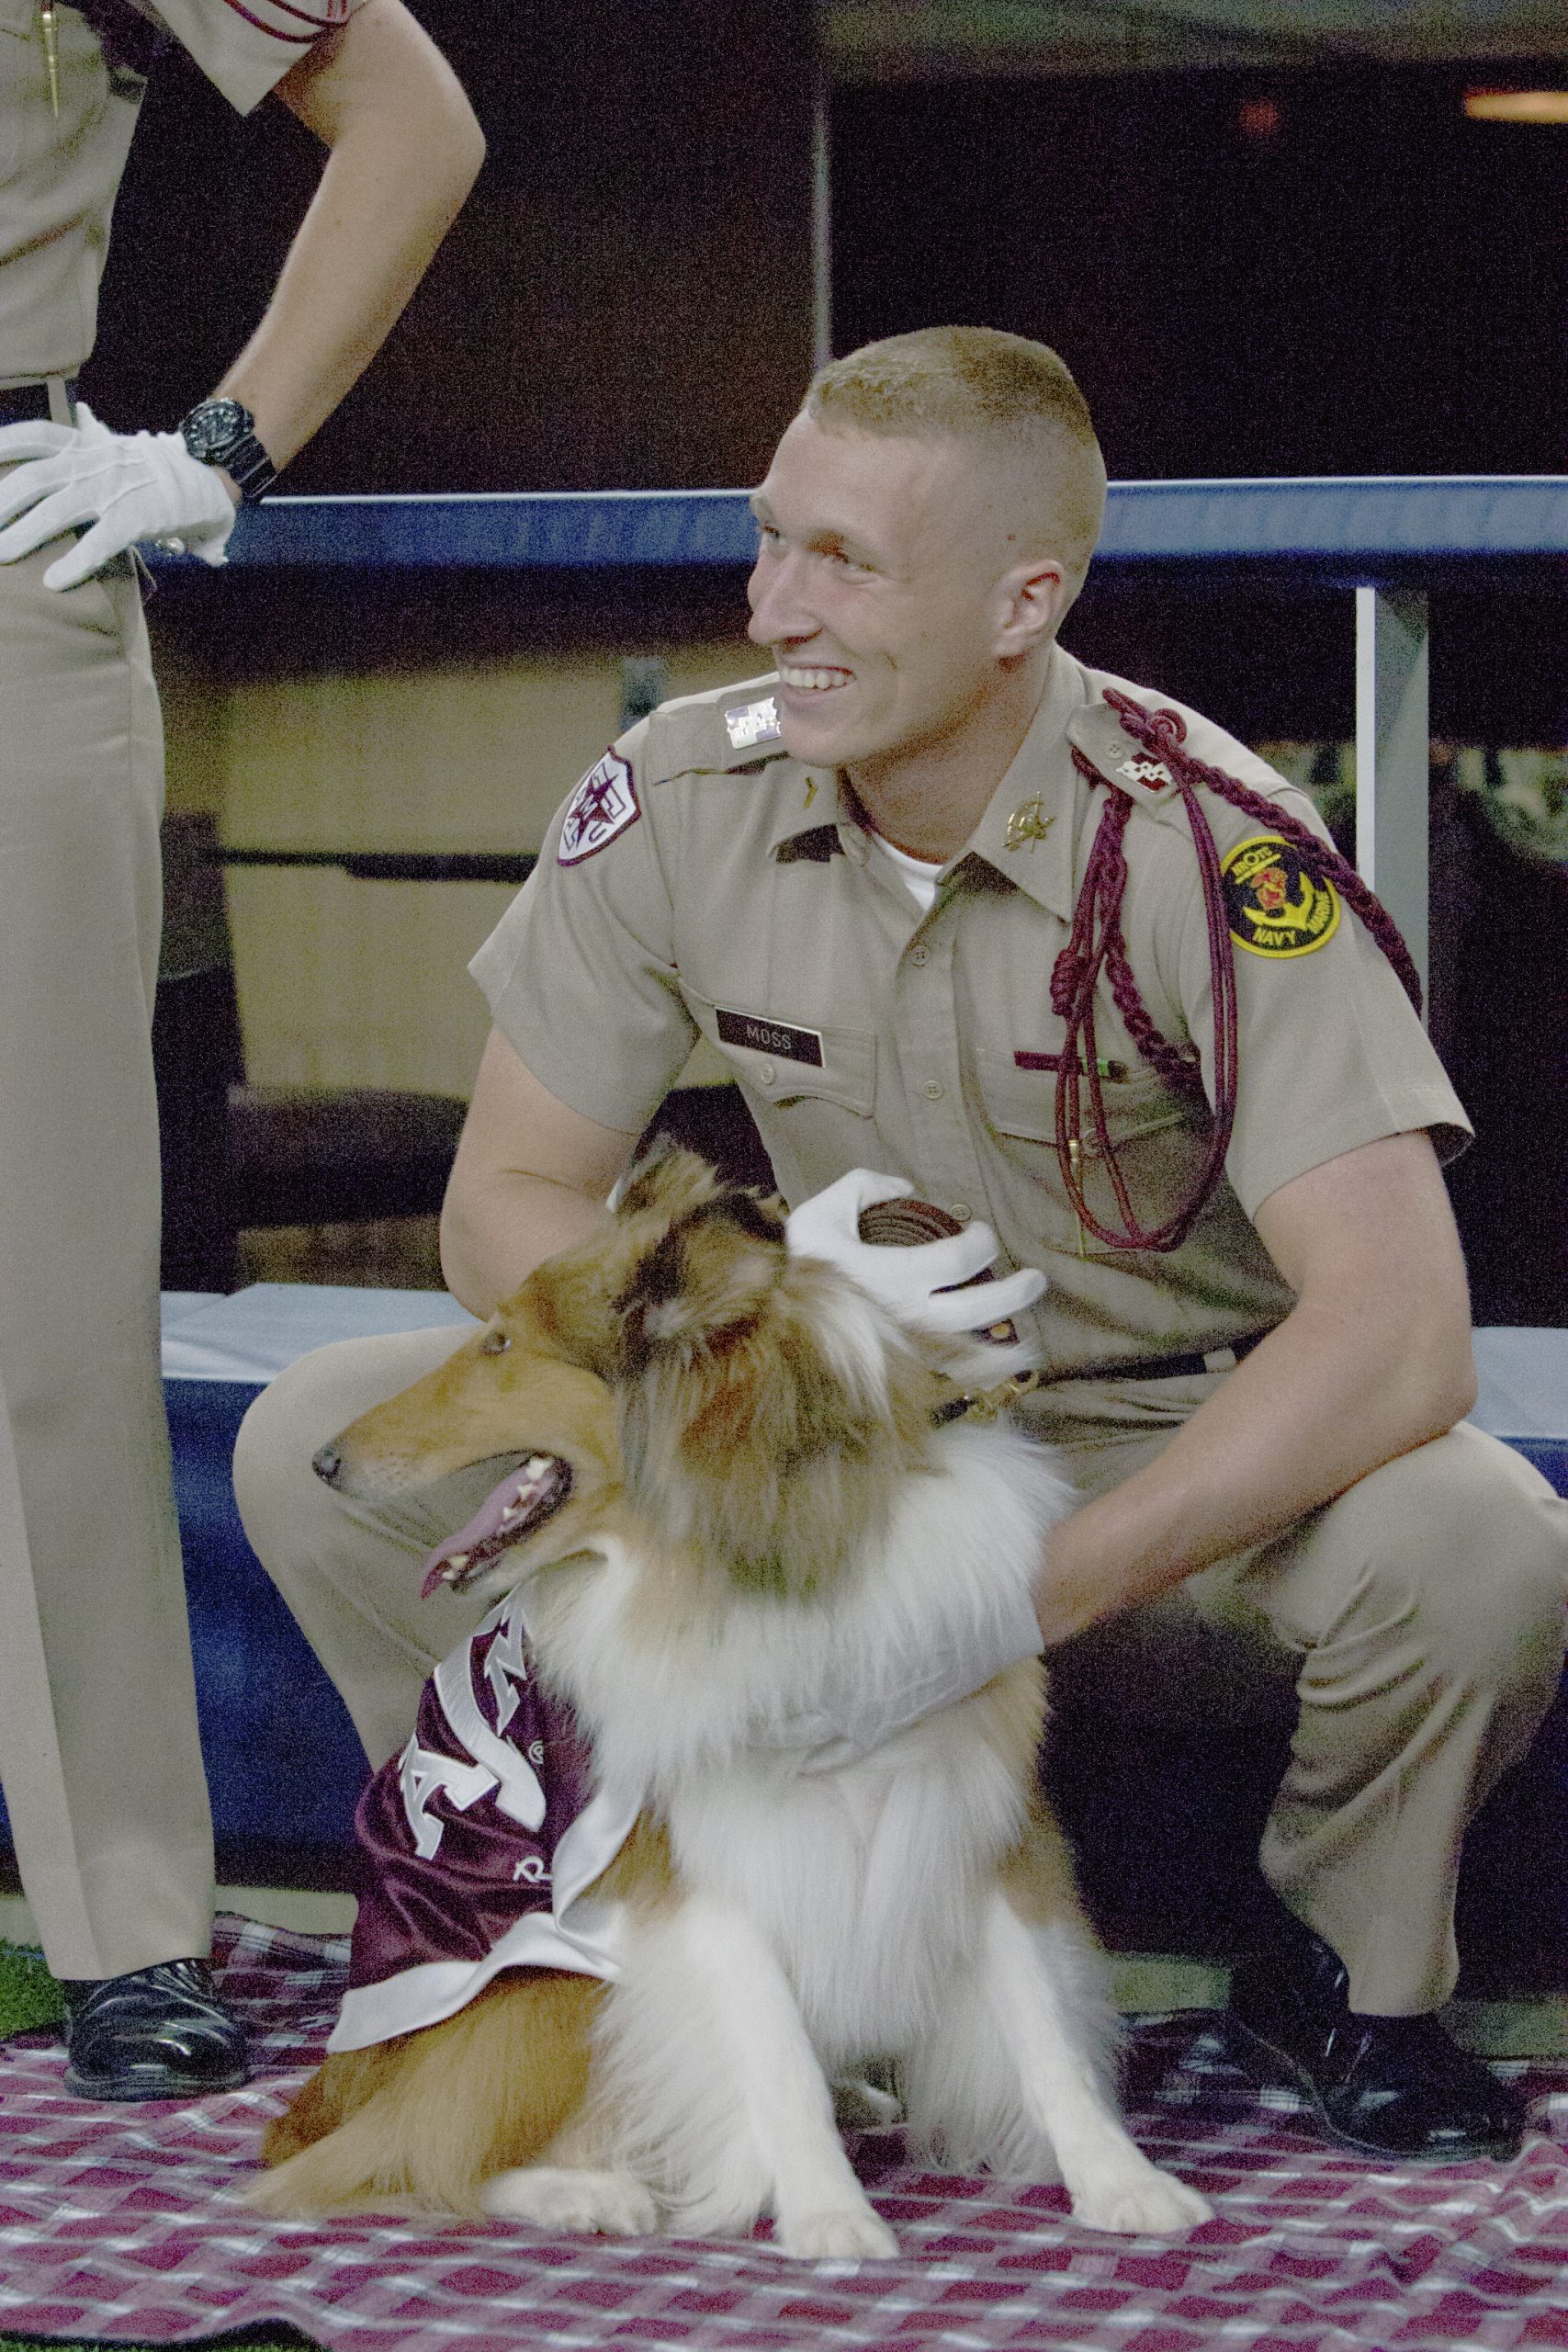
(1035, 597)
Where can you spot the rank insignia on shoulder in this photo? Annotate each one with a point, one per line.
(1144, 768)
(749, 723)
(604, 805)
(1273, 905)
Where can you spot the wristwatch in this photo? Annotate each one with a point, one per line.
(223, 433)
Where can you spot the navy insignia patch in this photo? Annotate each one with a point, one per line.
(604, 805)
(1274, 905)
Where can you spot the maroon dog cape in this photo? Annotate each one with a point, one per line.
(477, 1844)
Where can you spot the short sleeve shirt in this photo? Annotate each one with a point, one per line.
(59, 176)
(702, 883)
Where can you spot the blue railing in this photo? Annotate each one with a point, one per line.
(1377, 524)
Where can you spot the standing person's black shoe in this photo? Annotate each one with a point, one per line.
(157, 2033)
(1396, 2088)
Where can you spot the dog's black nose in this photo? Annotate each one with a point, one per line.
(327, 1463)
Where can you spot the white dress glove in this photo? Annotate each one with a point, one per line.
(129, 486)
(851, 1724)
(917, 1283)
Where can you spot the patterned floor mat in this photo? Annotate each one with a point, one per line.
(125, 2223)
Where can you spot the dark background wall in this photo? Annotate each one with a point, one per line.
(626, 300)
(1363, 281)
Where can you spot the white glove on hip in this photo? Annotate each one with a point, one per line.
(129, 486)
(917, 1285)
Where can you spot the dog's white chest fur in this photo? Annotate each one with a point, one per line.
(862, 1877)
(859, 1868)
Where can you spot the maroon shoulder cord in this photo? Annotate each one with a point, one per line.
(1096, 945)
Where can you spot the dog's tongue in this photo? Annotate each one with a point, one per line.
(522, 1500)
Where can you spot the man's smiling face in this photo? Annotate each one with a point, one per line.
(880, 588)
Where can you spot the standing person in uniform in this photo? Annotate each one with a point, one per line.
(98, 1751)
(1057, 954)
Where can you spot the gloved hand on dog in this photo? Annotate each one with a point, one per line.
(129, 486)
(851, 1722)
(921, 1285)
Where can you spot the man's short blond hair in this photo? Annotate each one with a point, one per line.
(978, 384)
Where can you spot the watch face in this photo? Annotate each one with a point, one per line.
(213, 426)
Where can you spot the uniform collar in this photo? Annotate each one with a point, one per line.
(819, 819)
(1028, 831)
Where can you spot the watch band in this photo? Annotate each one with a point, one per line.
(222, 431)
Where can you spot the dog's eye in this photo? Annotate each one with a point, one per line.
(495, 1343)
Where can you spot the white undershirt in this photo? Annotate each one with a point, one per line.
(919, 876)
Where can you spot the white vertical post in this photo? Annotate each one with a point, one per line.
(1392, 753)
(821, 227)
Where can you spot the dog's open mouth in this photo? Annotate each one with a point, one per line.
(522, 1501)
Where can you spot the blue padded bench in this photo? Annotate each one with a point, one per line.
(1157, 1830)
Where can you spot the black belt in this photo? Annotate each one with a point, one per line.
(27, 403)
(1190, 1367)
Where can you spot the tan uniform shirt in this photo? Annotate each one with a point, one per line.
(59, 174)
(703, 882)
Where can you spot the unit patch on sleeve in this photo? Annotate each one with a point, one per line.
(1274, 906)
(604, 805)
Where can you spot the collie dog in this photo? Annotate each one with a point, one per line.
(742, 1495)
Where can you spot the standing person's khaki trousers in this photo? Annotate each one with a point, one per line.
(1420, 1618)
(99, 1758)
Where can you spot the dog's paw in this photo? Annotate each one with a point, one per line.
(612, 2203)
(845, 2234)
(1141, 2202)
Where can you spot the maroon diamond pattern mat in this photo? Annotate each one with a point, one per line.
(126, 2224)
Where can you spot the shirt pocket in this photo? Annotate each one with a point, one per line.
(845, 1076)
(1020, 1104)
(1159, 1139)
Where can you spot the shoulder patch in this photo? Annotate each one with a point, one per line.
(1274, 907)
(749, 723)
(604, 805)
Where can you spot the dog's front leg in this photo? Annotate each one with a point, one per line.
(710, 2072)
(1032, 1987)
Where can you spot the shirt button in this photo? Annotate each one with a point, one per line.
(934, 1090)
(918, 955)
(767, 1073)
(962, 1211)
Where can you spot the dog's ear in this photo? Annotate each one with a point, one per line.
(703, 1281)
(767, 1408)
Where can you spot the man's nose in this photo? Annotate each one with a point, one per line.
(777, 607)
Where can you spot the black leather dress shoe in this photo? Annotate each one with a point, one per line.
(157, 2033)
(1396, 2088)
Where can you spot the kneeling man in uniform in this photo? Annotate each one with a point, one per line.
(1063, 958)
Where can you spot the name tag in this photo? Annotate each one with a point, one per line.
(762, 1036)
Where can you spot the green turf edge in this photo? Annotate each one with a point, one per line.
(29, 1998)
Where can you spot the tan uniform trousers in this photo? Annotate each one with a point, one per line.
(1420, 1618)
(99, 1758)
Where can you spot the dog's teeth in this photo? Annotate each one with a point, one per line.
(536, 1463)
(512, 1510)
(457, 1559)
